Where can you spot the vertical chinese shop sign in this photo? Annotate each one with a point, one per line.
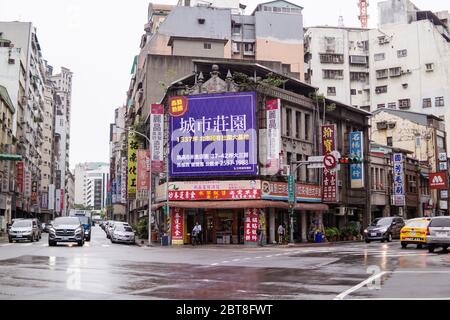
(177, 226)
(399, 199)
(132, 165)
(19, 170)
(329, 180)
(251, 226)
(143, 175)
(273, 123)
(356, 151)
(157, 137)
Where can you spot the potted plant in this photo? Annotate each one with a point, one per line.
(336, 234)
(330, 234)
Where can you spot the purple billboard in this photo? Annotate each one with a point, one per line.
(213, 135)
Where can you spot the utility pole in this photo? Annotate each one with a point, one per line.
(291, 192)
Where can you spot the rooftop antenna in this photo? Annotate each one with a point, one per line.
(341, 22)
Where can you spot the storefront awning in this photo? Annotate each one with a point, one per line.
(257, 204)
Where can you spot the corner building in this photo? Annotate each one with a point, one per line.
(231, 144)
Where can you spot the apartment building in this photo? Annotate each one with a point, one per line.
(26, 82)
(403, 64)
(91, 182)
(422, 137)
(63, 92)
(6, 147)
(118, 169)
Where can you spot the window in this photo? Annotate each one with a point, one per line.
(307, 126)
(276, 9)
(353, 92)
(418, 141)
(249, 48)
(365, 108)
(402, 53)
(266, 8)
(439, 102)
(404, 103)
(236, 29)
(392, 105)
(360, 60)
(381, 89)
(382, 74)
(381, 105)
(331, 91)
(236, 47)
(207, 46)
(288, 122)
(358, 76)
(395, 72)
(298, 119)
(426, 103)
(331, 58)
(389, 141)
(333, 74)
(379, 56)
(429, 67)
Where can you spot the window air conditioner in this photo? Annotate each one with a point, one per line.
(341, 211)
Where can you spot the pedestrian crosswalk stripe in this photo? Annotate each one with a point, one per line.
(44, 245)
(6, 245)
(105, 245)
(26, 244)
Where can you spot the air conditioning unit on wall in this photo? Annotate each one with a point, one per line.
(340, 211)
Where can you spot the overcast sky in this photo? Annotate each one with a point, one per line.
(98, 40)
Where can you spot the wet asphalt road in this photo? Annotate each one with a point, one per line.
(101, 270)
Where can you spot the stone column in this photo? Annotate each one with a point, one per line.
(304, 226)
(272, 226)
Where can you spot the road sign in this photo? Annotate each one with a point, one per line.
(316, 165)
(291, 189)
(330, 162)
(316, 159)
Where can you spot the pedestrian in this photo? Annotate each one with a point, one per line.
(196, 231)
(260, 234)
(280, 234)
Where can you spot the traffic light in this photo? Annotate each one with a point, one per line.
(349, 161)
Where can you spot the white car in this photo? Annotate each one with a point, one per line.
(122, 232)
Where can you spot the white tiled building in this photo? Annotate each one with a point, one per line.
(403, 64)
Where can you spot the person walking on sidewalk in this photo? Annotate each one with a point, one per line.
(280, 234)
(260, 234)
(196, 232)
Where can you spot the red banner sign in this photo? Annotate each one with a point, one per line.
(329, 181)
(438, 181)
(177, 226)
(215, 195)
(251, 226)
(19, 170)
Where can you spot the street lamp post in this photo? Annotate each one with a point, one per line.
(293, 171)
(150, 183)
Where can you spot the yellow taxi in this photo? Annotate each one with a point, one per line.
(415, 232)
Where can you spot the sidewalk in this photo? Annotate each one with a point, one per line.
(144, 243)
(3, 238)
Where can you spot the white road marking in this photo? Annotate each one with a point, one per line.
(360, 285)
(258, 257)
(6, 245)
(214, 264)
(236, 260)
(26, 244)
(106, 245)
(225, 261)
(378, 275)
(268, 256)
(247, 258)
(44, 245)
